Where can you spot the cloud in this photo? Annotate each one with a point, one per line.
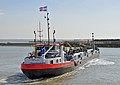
(2, 12)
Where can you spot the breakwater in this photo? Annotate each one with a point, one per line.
(107, 42)
(97, 42)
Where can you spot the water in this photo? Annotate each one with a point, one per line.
(10, 60)
(15, 40)
(104, 70)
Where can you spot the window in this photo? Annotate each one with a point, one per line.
(57, 47)
(78, 56)
(53, 48)
(57, 61)
(60, 60)
(51, 62)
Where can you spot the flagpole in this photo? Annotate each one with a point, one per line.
(48, 25)
(44, 8)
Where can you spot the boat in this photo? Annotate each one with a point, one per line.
(51, 59)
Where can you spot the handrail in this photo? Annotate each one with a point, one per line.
(47, 51)
(69, 45)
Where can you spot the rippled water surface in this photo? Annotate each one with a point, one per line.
(104, 70)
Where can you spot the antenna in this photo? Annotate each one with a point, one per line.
(40, 32)
(93, 44)
(54, 36)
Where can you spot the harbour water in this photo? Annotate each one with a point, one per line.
(104, 70)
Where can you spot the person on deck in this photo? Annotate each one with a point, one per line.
(42, 51)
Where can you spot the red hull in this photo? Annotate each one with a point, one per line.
(34, 71)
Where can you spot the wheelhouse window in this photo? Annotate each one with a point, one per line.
(53, 48)
(57, 47)
(39, 47)
(51, 62)
(57, 61)
(60, 60)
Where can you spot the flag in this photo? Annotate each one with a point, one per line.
(44, 8)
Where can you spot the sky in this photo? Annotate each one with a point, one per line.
(72, 19)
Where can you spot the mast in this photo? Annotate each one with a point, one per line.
(48, 25)
(44, 9)
(35, 45)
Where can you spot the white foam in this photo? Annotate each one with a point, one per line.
(34, 83)
(31, 81)
(81, 67)
(3, 81)
(104, 62)
(92, 62)
(99, 62)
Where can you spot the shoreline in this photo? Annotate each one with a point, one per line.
(16, 44)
